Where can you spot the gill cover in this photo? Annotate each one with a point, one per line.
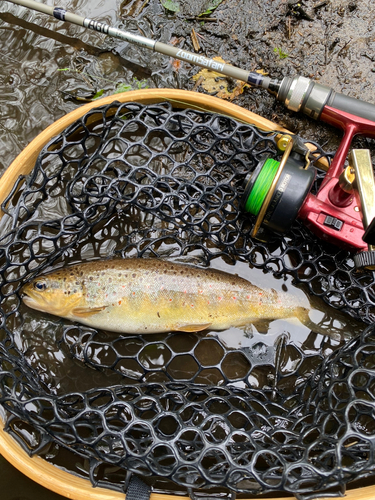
(53, 296)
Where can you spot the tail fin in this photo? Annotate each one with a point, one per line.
(329, 321)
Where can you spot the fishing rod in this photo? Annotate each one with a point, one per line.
(298, 93)
(278, 192)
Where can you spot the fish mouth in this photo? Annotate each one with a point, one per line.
(32, 299)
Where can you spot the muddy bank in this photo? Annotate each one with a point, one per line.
(331, 41)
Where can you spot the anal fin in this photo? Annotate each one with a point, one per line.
(192, 327)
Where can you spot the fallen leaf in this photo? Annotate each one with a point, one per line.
(216, 83)
(98, 94)
(238, 89)
(175, 41)
(213, 4)
(176, 63)
(171, 5)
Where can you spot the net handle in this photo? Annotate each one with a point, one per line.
(36, 468)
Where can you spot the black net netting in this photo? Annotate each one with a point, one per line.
(256, 414)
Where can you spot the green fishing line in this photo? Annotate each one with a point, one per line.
(261, 186)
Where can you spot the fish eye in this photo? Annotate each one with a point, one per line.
(40, 285)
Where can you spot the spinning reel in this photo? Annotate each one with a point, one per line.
(343, 210)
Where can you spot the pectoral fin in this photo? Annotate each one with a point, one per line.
(85, 312)
(192, 328)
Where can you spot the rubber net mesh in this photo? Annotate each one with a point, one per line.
(130, 180)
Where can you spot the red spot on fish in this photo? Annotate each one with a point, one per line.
(234, 298)
(219, 298)
(170, 300)
(192, 305)
(119, 302)
(185, 291)
(208, 301)
(200, 291)
(260, 293)
(248, 297)
(133, 293)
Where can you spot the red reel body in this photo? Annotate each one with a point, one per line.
(335, 218)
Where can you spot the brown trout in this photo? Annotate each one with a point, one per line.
(151, 296)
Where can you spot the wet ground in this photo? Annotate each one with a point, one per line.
(49, 68)
(332, 41)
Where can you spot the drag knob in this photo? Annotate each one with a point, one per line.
(365, 259)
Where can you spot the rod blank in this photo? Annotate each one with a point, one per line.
(253, 78)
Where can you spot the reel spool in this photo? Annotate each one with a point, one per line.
(276, 190)
(279, 192)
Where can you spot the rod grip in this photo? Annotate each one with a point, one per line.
(353, 106)
(303, 94)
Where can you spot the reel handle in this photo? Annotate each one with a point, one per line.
(360, 162)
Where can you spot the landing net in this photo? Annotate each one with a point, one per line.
(130, 180)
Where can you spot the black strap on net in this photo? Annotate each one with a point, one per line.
(133, 180)
(137, 489)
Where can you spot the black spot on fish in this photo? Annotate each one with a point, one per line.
(134, 275)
